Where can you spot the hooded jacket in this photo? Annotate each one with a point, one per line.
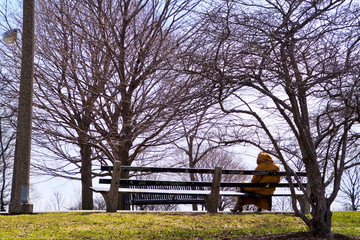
(265, 163)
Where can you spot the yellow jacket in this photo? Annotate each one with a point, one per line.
(265, 163)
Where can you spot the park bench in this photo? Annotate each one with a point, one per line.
(144, 192)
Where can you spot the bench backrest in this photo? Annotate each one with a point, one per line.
(136, 182)
(199, 170)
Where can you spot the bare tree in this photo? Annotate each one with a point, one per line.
(99, 203)
(282, 204)
(76, 201)
(76, 204)
(57, 200)
(106, 88)
(289, 71)
(71, 74)
(7, 138)
(146, 98)
(351, 188)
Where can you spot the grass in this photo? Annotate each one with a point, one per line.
(77, 225)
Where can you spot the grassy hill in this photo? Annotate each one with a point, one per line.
(85, 225)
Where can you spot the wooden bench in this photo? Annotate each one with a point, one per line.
(141, 192)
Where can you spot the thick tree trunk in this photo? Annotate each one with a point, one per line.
(86, 178)
(112, 197)
(124, 158)
(121, 204)
(320, 224)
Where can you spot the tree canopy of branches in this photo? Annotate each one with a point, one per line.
(105, 88)
(289, 71)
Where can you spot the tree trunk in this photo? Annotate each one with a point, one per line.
(112, 197)
(123, 156)
(320, 224)
(3, 169)
(121, 204)
(192, 165)
(192, 178)
(86, 178)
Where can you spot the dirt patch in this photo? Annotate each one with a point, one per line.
(294, 236)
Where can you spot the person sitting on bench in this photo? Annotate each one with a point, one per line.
(265, 163)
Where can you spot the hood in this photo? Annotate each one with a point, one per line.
(264, 157)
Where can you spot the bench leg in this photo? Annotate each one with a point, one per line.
(212, 200)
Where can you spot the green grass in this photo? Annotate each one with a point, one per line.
(347, 223)
(160, 225)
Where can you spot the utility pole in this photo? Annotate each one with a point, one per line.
(20, 202)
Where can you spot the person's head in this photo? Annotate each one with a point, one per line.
(264, 157)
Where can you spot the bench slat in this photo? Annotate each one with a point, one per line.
(191, 183)
(198, 170)
(184, 192)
